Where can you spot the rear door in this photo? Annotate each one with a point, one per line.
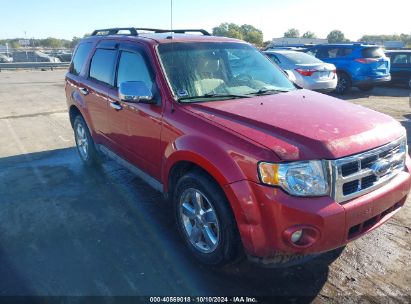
(100, 77)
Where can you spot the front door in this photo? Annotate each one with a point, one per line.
(135, 128)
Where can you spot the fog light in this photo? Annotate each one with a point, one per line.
(296, 236)
(301, 236)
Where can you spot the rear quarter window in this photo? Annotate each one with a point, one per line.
(346, 51)
(274, 58)
(372, 52)
(80, 57)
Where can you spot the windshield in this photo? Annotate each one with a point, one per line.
(301, 58)
(220, 70)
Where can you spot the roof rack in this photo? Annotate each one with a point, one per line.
(134, 31)
(115, 31)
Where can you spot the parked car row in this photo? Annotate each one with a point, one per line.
(354, 65)
(5, 59)
(33, 56)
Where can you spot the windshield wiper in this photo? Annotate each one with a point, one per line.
(268, 91)
(213, 95)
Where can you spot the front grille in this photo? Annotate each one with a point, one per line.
(361, 173)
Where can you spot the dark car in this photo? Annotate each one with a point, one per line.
(358, 65)
(250, 163)
(400, 66)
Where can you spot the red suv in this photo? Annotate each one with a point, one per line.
(250, 162)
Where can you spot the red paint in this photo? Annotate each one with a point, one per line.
(228, 138)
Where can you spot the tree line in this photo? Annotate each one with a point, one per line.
(245, 32)
(253, 35)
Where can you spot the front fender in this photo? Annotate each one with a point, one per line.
(205, 153)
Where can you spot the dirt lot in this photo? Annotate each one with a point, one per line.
(65, 230)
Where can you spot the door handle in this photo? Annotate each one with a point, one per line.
(115, 105)
(84, 91)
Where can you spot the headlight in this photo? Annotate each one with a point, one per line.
(305, 178)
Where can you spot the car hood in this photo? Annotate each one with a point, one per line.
(302, 124)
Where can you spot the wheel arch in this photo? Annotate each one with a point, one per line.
(343, 71)
(189, 153)
(73, 112)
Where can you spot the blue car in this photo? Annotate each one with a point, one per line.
(358, 65)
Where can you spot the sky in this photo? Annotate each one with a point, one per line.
(69, 18)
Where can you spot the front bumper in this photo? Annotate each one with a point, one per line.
(264, 213)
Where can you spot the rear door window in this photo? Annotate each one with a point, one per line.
(331, 52)
(345, 51)
(372, 52)
(80, 57)
(102, 66)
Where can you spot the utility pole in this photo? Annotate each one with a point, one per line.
(25, 44)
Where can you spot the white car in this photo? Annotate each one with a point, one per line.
(305, 70)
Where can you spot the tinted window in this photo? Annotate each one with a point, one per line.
(400, 59)
(132, 67)
(313, 52)
(102, 65)
(372, 52)
(299, 58)
(80, 57)
(331, 52)
(346, 51)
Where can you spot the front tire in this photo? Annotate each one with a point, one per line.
(205, 220)
(84, 142)
(343, 83)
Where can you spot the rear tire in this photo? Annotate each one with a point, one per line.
(84, 142)
(205, 220)
(366, 88)
(343, 83)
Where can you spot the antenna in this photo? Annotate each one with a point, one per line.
(172, 51)
(171, 17)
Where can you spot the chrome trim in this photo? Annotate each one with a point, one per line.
(115, 105)
(396, 158)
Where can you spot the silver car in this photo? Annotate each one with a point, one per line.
(305, 70)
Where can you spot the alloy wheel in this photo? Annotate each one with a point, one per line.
(81, 140)
(199, 220)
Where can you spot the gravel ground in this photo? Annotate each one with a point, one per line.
(65, 230)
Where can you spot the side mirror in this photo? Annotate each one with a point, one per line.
(135, 91)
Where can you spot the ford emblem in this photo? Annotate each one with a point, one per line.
(381, 168)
